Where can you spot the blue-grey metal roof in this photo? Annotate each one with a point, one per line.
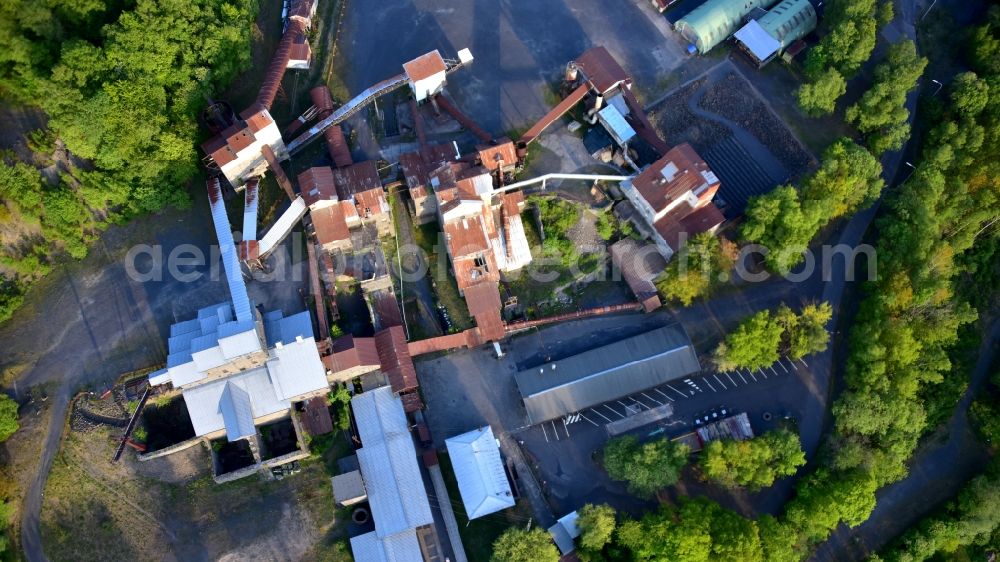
(563, 387)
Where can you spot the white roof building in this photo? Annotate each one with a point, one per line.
(565, 531)
(482, 481)
(396, 493)
(757, 41)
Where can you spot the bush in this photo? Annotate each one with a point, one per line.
(755, 463)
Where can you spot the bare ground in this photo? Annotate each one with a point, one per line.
(170, 509)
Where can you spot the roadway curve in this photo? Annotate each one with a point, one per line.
(939, 470)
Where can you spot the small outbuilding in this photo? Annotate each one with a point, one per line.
(774, 32)
(349, 488)
(479, 470)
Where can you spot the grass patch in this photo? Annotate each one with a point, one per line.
(429, 238)
(478, 535)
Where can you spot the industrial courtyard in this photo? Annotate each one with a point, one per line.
(397, 346)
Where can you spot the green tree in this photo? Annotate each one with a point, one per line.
(647, 467)
(755, 463)
(597, 525)
(8, 417)
(782, 224)
(851, 28)
(753, 345)
(605, 226)
(697, 268)
(808, 335)
(819, 96)
(849, 178)
(881, 113)
(520, 545)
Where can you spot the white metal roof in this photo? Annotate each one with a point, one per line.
(230, 260)
(482, 481)
(207, 404)
(757, 41)
(285, 223)
(615, 123)
(296, 369)
(388, 462)
(401, 547)
(286, 329)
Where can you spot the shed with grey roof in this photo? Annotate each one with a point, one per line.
(605, 373)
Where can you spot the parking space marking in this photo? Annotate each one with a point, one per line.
(804, 362)
(592, 422)
(782, 365)
(762, 373)
(652, 399)
(731, 379)
(710, 385)
(613, 411)
(773, 371)
(722, 384)
(565, 428)
(752, 375)
(742, 377)
(554, 430)
(677, 391)
(545, 433)
(663, 394)
(602, 415)
(792, 363)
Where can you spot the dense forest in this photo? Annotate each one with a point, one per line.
(121, 84)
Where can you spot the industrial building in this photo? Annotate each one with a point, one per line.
(715, 20)
(673, 197)
(766, 37)
(392, 481)
(479, 470)
(563, 387)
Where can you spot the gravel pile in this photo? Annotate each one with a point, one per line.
(734, 99)
(675, 122)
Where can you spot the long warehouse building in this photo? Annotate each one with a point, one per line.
(567, 386)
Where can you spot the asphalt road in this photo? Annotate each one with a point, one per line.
(937, 473)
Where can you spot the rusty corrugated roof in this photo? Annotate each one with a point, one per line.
(483, 298)
(350, 352)
(330, 224)
(500, 154)
(490, 325)
(316, 184)
(466, 236)
(601, 69)
(689, 223)
(357, 178)
(394, 359)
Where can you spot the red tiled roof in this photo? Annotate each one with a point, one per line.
(601, 69)
(688, 172)
(467, 273)
(320, 96)
(490, 325)
(466, 236)
(511, 202)
(357, 178)
(483, 298)
(256, 117)
(492, 156)
(424, 66)
(414, 171)
(300, 49)
(694, 222)
(435, 154)
(394, 358)
(387, 309)
(330, 224)
(316, 184)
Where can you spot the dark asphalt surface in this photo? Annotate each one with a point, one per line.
(519, 46)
